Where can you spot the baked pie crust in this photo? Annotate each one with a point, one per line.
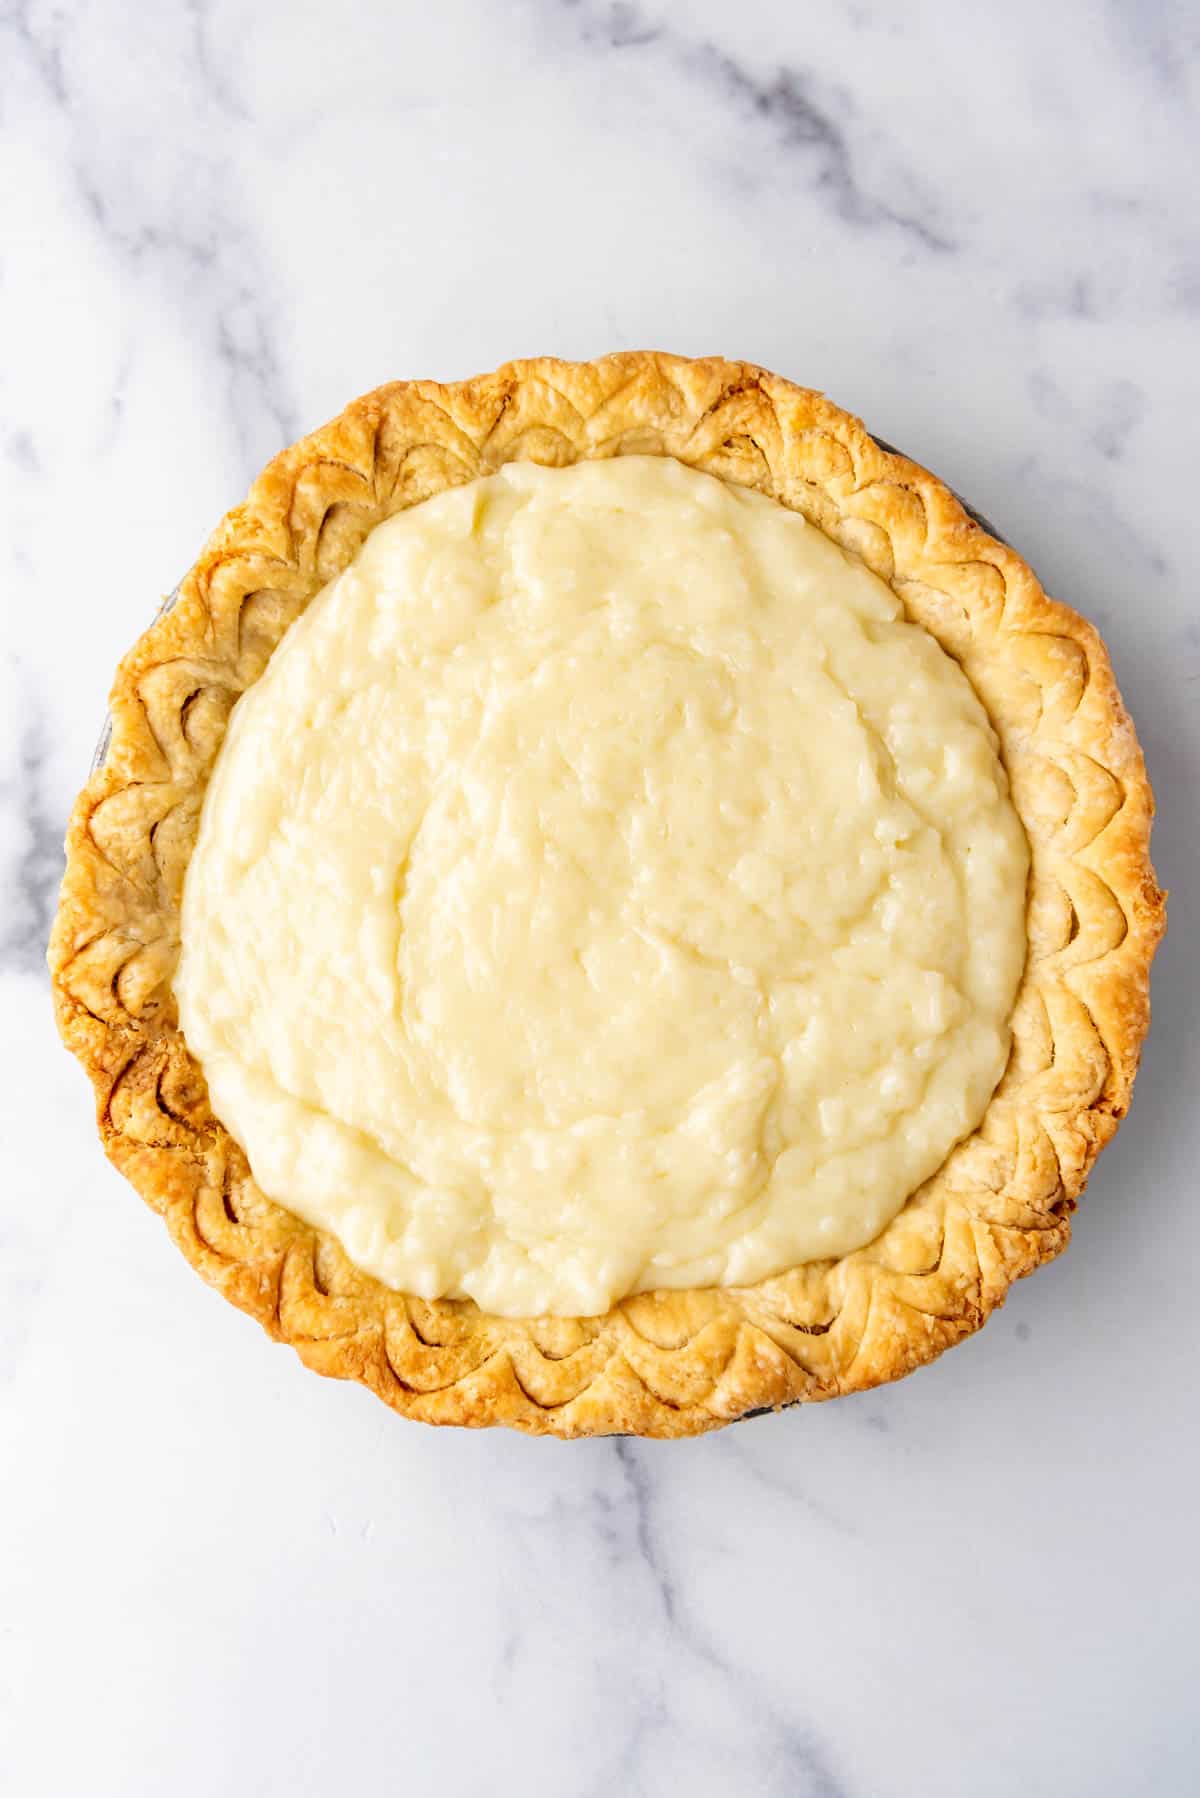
(670, 1363)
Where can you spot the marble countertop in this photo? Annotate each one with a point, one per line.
(976, 225)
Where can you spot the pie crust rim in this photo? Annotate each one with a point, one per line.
(669, 1363)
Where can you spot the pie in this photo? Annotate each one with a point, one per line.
(665, 933)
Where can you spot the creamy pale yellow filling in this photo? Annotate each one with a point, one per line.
(604, 888)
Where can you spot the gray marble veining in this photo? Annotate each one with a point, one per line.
(35, 869)
(798, 118)
(220, 219)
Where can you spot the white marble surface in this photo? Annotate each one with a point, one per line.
(976, 225)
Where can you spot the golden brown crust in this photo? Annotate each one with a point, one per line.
(659, 1364)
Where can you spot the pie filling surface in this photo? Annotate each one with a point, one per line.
(604, 888)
